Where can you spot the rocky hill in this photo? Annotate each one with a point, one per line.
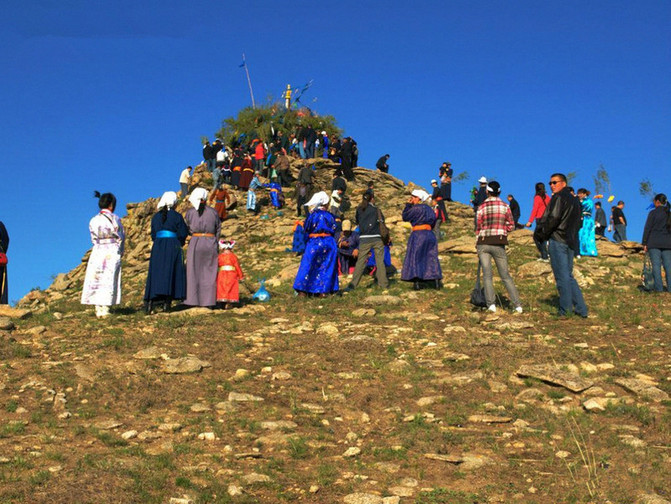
(372, 397)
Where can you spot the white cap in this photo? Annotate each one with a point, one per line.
(434, 181)
(319, 199)
(482, 180)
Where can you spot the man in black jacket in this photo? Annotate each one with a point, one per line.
(559, 226)
(515, 210)
(600, 220)
(382, 164)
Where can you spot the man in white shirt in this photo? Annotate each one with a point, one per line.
(184, 179)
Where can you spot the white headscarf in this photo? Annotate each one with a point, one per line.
(319, 199)
(421, 194)
(197, 195)
(167, 200)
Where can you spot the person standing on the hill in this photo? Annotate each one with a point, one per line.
(368, 218)
(102, 283)
(441, 211)
(494, 222)
(201, 257)
(600, 220)
(281, 166)
(586, 235)
(259, 155)
(541, 202)
(382, 164)
(325, 145)
(346, 159)
(229, 274)
(184, 179)
(303, 188)
(619, 222)
(209, 156)
(515, 211)
(559, 227)
(4, 245)
(246, 172)
(318, 271)
(445, 173)
(338, 182)
(310, 139)
(421, 256)
(657, 241)
(166, 279)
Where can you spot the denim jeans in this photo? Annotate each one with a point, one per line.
(497, 252)
(659, 257)
(570, 295)
(620, 233)
(216, 178)
(211, 165)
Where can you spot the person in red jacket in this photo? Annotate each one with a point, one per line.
(541, 202)
(259, 156)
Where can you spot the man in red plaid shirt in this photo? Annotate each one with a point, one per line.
(494, 221)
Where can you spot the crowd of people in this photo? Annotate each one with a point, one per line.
(332, 246)
(567, 224)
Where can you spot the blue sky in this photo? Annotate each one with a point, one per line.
(115, 95)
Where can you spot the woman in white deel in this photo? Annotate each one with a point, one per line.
(102, 284)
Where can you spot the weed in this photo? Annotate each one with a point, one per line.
(298, 448)
(327, 474)
(40, 478)
(445, 496)
(12, 405)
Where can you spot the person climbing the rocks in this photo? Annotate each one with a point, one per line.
(166, 278)
(382, 165)
(184, 179)
(102, 283)
(421, 256)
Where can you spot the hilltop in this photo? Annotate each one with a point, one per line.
(372, 397)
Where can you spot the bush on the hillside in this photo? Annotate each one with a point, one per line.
(260, 122)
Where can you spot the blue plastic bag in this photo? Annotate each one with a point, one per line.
(262, 294)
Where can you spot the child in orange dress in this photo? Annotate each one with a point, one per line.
(228, 275)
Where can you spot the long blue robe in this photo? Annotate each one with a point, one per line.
(275, 191)
(298, 243)
(167, 275)
(318, 272)
(586, 234)
(421, 256)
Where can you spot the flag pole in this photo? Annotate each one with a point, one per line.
(249, 82)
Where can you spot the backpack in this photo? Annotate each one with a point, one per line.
(384, 230)
(478, 293)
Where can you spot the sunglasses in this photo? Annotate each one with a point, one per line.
(554, 182)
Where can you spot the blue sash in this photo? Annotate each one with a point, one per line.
(163, 233)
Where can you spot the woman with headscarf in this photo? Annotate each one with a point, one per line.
(421, 255)
(201, 257)
(4, 245)
(102, 283)
(166, 279)
(586, 234)
(318, 272)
